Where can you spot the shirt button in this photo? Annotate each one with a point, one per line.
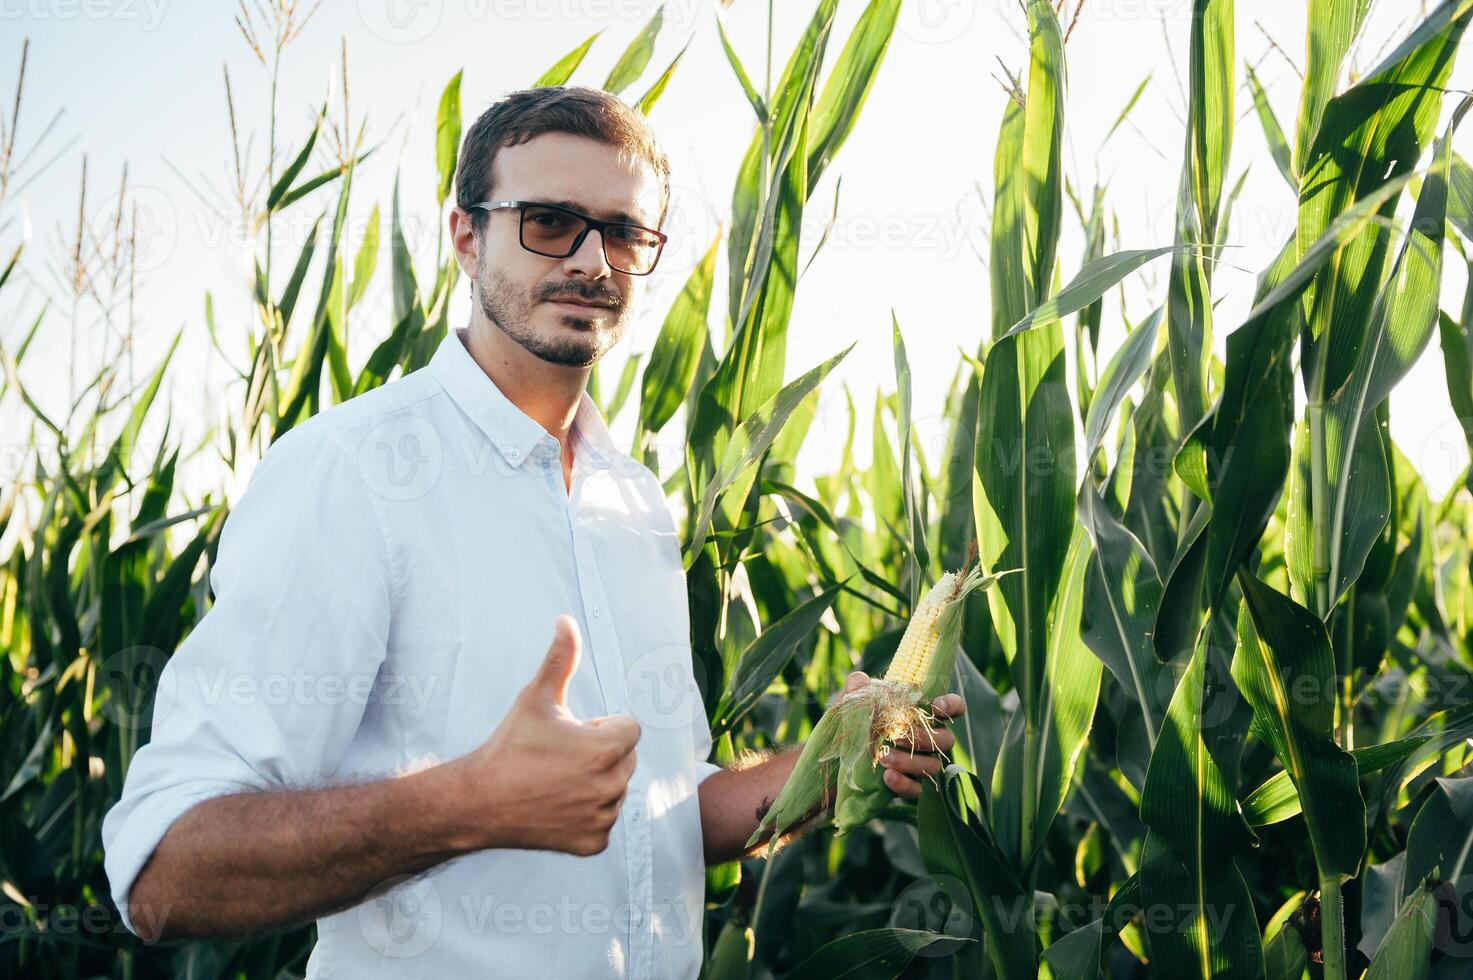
(636, 813)
(595, 612)
(513, 453)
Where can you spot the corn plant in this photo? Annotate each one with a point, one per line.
(1229, 688)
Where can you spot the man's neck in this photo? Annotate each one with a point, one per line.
(548, 393)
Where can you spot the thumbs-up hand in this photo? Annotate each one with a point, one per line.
(544, 779)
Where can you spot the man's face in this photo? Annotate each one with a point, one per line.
(520, 291)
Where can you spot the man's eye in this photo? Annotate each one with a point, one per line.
(632, 235)
(550, 220)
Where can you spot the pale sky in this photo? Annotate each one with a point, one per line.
(141, 81)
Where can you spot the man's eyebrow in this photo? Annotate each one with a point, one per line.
(606, 216)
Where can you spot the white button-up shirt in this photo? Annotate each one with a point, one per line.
(384, 588)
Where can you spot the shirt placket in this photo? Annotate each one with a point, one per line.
(608, 662)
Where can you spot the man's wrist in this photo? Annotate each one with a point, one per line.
(439, 795)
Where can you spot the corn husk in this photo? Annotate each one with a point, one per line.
(840, 760)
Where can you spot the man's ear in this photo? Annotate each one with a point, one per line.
(464, 241)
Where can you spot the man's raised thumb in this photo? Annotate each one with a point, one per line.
(551, 683)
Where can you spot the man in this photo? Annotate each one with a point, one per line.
(383, 593)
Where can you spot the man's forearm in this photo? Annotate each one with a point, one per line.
(731, 800)
(261, 860)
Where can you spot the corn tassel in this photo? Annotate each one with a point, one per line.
(839, 762)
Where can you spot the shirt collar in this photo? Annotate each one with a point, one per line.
(515, 434)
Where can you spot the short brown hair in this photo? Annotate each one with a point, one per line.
(575, 109)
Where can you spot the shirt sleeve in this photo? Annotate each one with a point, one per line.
(701, 741)
(268, 689)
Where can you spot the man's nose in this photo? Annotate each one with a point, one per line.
(588, 259)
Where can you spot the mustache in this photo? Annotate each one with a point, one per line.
(570, 291)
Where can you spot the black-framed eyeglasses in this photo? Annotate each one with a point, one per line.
(557, 232)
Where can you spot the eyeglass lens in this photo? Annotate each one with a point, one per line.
(551, 232)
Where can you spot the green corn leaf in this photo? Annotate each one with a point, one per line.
(758, 105)
(622, 389)
(403, 287)
(326, 177)
(1357, 492)
(1382, 887)
(560, 72)
(1028, 200)
(1122, 596)
(1076, 955)
(636, 57)
(1209, 138)
(1455, 337)
(1237, 457)
(1276, 799)
(1067, 708)
(1186, 801)
(447, 137)
(749, 442)
(871, 954)
(764, 267)
(1278, 146)
(1367, 137)
(1460, 202)
(821, 513)
(979, 730)
(120, 456)
(975, 875)
(844, 93)
(1094, 280)
(671, 367)
(274, 199)
(646, 102)
(365, 262)
(1211, 932)
(1333, 25)
(1286, 669)
(1129, 105)
(293, 289)
(1125, 368)
(1284, 955)
(1440, 844)
(1023, 493)
(1405, 953)
(1196, 830)
(765, 657)
(731, 955)
(10, 264)
(389, 353)
(302, 392)
(918, 558)
(749, 206)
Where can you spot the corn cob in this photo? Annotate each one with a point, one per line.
(839, 760)
(919, 642)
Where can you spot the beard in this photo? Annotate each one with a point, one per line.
(577, 342)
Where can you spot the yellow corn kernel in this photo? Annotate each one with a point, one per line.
(921, 636)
